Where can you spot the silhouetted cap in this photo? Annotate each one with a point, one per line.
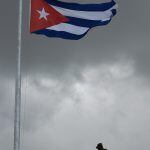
(100, 146)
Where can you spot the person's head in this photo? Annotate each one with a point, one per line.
(100, 146)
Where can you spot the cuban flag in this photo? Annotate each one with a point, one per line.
(65, 20)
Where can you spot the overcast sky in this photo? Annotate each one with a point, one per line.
(78, 93)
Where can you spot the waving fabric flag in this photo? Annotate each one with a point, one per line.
(65, 20)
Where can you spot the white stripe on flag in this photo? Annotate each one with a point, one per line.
(69, 28)
(89, 15)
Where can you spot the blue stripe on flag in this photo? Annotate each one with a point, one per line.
(82, 7)
(60, 34)
(86, 23)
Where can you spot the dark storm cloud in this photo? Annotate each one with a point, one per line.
(127, 34)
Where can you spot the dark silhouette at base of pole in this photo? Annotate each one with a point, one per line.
(100, 147)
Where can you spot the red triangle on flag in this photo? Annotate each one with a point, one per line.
(43, 16)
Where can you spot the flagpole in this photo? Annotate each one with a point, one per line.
(17, 115)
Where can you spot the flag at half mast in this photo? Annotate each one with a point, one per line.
(66, 20)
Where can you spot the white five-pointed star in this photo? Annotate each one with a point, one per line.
(43, 14)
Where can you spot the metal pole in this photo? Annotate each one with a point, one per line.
(17, 116)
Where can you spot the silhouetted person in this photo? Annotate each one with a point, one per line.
(100, 147)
